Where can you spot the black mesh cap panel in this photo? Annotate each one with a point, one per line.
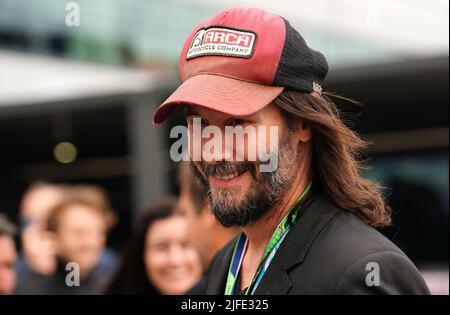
(300, 67)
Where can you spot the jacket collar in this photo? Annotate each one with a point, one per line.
(315, 214)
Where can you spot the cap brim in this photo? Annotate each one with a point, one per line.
(219, 93)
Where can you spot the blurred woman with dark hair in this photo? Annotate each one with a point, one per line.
(158, 258)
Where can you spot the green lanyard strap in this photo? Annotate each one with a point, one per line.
(275, 241)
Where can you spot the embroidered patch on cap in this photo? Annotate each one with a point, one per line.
(222, 41)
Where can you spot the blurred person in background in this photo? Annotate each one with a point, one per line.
(78, 225)
(8, 256)
(38, 253)
(193, 202)
(159, 260)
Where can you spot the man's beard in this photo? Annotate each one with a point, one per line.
(262, 195)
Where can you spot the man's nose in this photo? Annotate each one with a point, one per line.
(217, 148)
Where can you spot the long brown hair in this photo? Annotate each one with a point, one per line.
(336, 156)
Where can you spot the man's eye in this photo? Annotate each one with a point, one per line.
(190, 120)
(237, 122)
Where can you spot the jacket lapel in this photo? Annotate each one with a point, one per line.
(315, 214)
(218, 276)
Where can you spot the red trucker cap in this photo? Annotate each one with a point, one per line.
(240, 60)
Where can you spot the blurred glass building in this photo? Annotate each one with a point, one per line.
(95, 87)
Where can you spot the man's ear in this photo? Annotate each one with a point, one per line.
(305, 132)
(302, 131)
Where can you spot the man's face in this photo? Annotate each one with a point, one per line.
(239, 193)
(7, 265)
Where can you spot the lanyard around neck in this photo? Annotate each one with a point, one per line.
(271, 248)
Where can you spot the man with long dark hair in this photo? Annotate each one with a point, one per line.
(307, 217)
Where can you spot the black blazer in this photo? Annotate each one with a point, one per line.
(327, 252)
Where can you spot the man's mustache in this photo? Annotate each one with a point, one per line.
(225, 168)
